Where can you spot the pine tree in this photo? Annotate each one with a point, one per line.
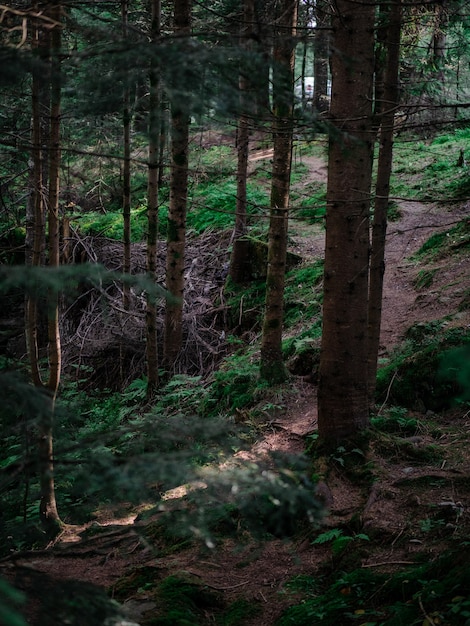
(272, 367)
(343, 408)
(176, 240)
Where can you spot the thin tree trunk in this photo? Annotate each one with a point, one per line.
(302, 73)
(35, 230)
(321, 54)
(382, 190)
(35, 236)
(272, 366)
(152, 203)
(262, 32)
(164, 126)
(126, 174)
(48, 508)
(439, 39)
(343, 408)
(240, 260)
(176, 241)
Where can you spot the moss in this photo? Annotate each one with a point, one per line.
(424, 278)
(414, 378)
(274, 373)
(182, 602)
(465, 302)
(448, 242)
(238, 612)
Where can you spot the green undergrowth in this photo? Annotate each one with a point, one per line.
(351, 460)
(302, 294)
(213, 205)
(235, 385)
(447, 243)
(310, 204)
(114, 451)
(393, 212)
(299, 172)
(11, 600)
(302, 300)
(270, 498)
(214, 162)
(302, 351)
(396, 420)
(429, 371)
(110, 224)
(434, 592)
(431, 170)
(402, 437)
(181, 600)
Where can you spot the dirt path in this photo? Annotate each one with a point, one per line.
(403, 303)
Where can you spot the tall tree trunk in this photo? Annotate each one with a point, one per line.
(46, 166)
(261, 33)
(176, 240)
(439, 38)
(343, 408)
(48, 508)
(382, 189)
(321, 55)
(240, 260)
(303, 95)
(152, 208)
(126, 172)
(272, 367)
(35, 226)
(36, 222)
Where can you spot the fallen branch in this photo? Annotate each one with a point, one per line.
(382, 563)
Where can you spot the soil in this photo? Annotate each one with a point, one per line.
(391, 510)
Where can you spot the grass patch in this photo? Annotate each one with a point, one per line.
(111, 224)
(446, 243)
(424, 278)
(310, 206)
(214, 204)
(393, 211)
(431, 171)
(212, 162)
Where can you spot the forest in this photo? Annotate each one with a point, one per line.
(235, 312)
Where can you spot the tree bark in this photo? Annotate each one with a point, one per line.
(35, 226)
(321, 54)
(48, 508)
(126, 172)
(272, 366)
(152, 209)
(240, 260)
(176, 240)
(342, 395)
(439, 39)
(382, 189)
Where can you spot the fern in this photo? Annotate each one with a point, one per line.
(329, 535)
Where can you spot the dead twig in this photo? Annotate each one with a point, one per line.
(382, 563)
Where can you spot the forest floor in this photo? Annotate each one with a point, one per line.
(410, 507)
